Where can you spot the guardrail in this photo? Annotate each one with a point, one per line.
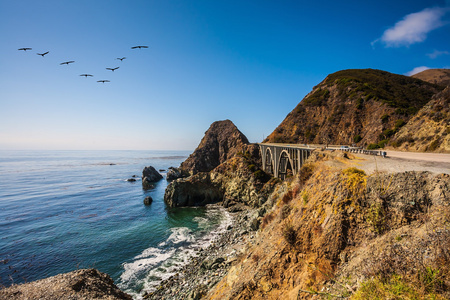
(364, 151)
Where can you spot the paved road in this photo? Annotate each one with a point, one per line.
(397, 161)
(436, 157)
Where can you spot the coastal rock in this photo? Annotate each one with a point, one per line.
(150, 176)
(175, 173)
(148, 200)
(131, 180)
(237, 176)
(79, 284)
(221, 141)
(196, 191)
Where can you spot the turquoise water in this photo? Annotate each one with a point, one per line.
(63, 210)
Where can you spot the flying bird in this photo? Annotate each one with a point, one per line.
(24, 49)
(67, 62)
(112, 69)
(102, 81)
(43, 54)
(121, 59)
(86, 75)
(139, 47)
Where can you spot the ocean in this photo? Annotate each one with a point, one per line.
(66, 210)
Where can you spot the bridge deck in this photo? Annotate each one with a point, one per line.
(279, 158)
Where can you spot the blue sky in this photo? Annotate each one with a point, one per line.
(247, 61)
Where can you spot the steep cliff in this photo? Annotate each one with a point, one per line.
(225, 168)
(355, 107)
(334, 232)
(221, 141)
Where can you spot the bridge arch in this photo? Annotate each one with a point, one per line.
(285, 165)
(278, 159)
(269, 161)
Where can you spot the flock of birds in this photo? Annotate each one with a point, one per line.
(72, 61)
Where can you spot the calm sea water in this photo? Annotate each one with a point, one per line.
(63, 210)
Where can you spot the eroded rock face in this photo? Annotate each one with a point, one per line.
(175, 173)
(237, 181)
(197, 191)
(79, 284)
(232, 173)
(221, 141)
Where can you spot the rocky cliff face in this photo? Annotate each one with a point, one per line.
(80, 284)
(337, 232)
(221, 141)
(355, 107)
(232, 177)
(429, 129)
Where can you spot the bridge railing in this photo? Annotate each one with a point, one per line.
(364, 151)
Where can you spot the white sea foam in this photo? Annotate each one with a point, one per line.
(143, 262)
(180, 235)
(156, 264)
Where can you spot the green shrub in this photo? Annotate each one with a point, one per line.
(393, 288)
(399, 123)
(261, 175)
(387, 133)
(382, 143)
(357, 138)
(317, 98)
(372, 146)
(384, 118)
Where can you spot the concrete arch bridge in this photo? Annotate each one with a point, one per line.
(281, 160)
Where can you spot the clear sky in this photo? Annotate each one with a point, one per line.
(247, 61)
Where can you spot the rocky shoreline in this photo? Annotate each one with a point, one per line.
(211, 264)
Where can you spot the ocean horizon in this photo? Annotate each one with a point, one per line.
(66, 210)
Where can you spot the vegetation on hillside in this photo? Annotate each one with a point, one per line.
(340, 233)
(363, 106)
(406, 94)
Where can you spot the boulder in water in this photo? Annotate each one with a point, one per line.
(150, 176)
(148, 200)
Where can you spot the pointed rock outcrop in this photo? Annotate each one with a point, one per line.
(221, 141)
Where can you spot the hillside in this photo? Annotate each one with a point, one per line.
(437, 76)
(336, 232)
(361, 106)
(429, 129)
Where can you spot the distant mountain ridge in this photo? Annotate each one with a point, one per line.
(364, 107)
(437, 76)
